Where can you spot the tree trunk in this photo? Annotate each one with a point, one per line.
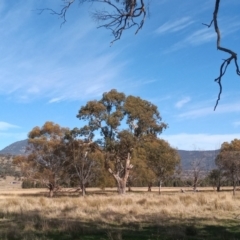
(160, 187)
(83, 190)
(195, 187)
(122, 181)
(218, 186)
(121, 186)
(234, 188)
(149, 187)
(51, 188)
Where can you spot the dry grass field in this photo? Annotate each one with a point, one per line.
(29, 214)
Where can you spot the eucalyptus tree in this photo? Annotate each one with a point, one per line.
(228, 160)
(216, 178)
(162, 159)
(84, 158)
(121, 122)
(46, 158)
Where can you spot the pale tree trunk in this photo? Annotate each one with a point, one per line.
(83, 190)
(121, 186)
(122, 181)
(160, 187)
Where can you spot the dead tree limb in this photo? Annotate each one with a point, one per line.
(122, 18)
(125, 15)
(62, 14)
(226, 62)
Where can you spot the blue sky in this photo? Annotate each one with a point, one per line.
(47, 73)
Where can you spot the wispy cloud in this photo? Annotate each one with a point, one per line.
(61, 68)
(236, 124)
(200, 36)
(6, 126)
(206, 35)
(182, 102)
(174, 26)
(205, 111)
(196, 38)
(185, 141)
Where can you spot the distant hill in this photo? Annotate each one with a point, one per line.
(206, 157)
(17, 148)
(187, 157)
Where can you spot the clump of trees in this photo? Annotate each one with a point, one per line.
(120, 136)
(228, 163)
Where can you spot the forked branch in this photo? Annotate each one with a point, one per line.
(62, 14)
(125, 14)
(226, 62)
(121, 18)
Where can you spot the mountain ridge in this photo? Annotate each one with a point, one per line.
(187, 156)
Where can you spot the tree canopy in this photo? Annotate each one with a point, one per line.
(46, 157)
(228, 161)
(122, 124)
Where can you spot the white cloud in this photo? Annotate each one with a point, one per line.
(5, 126)
(205, 35)
(54, 100)
(182, 102)
(174, 26)
(185, 141)
(67, 67)
(200, 36)
(202, 112)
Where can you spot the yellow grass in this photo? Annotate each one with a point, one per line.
(25, 214)
(130, 208)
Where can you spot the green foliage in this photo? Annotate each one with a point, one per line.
(128, 127)
(28, 184)
(228, 161)
(161, 158)
(123, 122)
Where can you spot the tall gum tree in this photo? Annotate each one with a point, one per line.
(122, 122)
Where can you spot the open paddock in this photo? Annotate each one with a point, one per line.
(29, 214)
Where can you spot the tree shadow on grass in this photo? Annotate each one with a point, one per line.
(32, 225)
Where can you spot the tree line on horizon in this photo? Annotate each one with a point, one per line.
(119, 145)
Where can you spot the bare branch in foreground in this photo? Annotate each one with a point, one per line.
(125, 15)
(226, 62)
(62, 13)
(122, 18)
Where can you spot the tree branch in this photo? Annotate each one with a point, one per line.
(226, 62)
(62, 13)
